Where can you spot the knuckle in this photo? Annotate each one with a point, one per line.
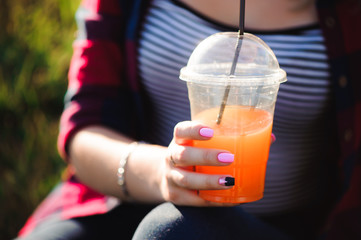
(177, 128)
(187, 129)
(208, 157)
(183, 181)
(180, 128)
(169, 176)
(209, 182)
(181, 155)
(195, 130)
(179, 179)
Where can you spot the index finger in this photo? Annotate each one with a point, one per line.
(191, 130)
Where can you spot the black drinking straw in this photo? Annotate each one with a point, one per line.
(235, 58)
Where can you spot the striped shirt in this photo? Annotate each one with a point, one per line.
(170, 33)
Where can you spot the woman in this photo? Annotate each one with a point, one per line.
(124, 87)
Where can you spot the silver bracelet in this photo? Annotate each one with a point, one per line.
(121, 170)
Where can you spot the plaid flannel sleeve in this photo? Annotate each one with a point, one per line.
(96, 75)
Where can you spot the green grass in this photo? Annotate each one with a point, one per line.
(35, 49)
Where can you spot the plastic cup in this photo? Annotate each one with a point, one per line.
(246, 123)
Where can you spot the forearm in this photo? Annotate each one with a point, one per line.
(95, 153)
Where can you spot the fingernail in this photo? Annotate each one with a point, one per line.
(206, 132)
(273, 138)
(225, 157)
(226, 181)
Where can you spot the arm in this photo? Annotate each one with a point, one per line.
(95, 153)
(95, 124)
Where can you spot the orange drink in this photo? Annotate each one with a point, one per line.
(245, 132)
(232, 83)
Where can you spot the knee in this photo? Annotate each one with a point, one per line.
(171, 222)
(159, 223)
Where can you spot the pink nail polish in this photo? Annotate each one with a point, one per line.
(225, 157)
(222, 181)
(273, 138)
(206, 132)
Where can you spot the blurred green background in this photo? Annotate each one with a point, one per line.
(35, 49)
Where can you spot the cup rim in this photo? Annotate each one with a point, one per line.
(276, 77)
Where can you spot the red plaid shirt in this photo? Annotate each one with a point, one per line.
(104, 89)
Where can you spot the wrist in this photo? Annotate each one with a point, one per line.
(122, 170)
(144, 173)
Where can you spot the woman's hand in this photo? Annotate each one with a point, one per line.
(179, 182)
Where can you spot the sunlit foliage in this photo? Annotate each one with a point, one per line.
(35, 48)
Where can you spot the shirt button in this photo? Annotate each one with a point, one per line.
(330, 22)
(348, 135)
(342, 81)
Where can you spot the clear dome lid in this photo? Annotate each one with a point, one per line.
(211, 61)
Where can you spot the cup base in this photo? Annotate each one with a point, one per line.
(223, 199)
